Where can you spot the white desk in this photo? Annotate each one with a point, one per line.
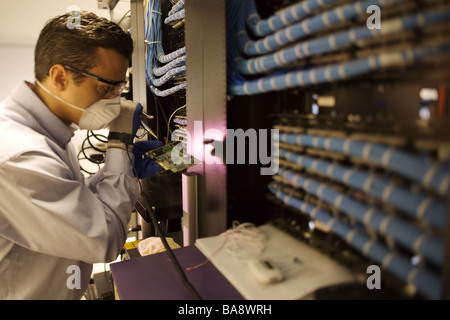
(304, 269)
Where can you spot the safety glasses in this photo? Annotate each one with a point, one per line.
(114, 89)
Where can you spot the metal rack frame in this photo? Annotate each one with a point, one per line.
(206, 96)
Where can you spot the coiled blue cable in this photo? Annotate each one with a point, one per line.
(165, 58)
(167, 92)
(174, 17)
(171, 74)
(173, 64)
(177, 7)
(235, 13)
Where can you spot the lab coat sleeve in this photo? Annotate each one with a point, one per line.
(43, 208)
(92, 180)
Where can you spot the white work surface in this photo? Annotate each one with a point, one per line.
(304, 269)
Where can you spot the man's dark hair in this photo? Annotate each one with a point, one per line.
(76, 46)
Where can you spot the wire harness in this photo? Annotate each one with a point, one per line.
(161, 67)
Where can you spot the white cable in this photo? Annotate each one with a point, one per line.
(247, 234)
(168, 122)
(245, 240)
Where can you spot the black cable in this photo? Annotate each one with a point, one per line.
(100, 137)
(159, 106)
(175, 262)
(96, 158)
(86, 158)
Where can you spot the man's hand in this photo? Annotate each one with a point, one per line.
(146, 167)
(129, 114)
(122, 130)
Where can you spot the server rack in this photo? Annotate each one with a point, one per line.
(240, 192)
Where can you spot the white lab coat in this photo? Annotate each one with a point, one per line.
(51, 217)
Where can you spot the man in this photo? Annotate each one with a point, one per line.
(54, 223)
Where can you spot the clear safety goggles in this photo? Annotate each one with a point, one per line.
(113, 89)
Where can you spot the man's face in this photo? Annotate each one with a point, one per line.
(110, 66)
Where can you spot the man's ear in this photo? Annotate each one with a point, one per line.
(58, 77)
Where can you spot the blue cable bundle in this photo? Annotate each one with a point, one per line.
(235, 12)
(155, 55)
(166, 68)
(432, 176)
(307, 27)
(164, 58)
(283, 18)
(337, 41)
(407, 235)
(316, 42)
(176, 7)
(418, 205)
(294, 34)
(174, 17)
(169, 75)
(339, 71)
(167, 92)
(421, 233)
(425, 280)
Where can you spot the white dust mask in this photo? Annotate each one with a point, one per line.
(96, 116)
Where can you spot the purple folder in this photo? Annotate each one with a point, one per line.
(154, 277)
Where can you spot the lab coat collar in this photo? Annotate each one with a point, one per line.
(27, 98)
